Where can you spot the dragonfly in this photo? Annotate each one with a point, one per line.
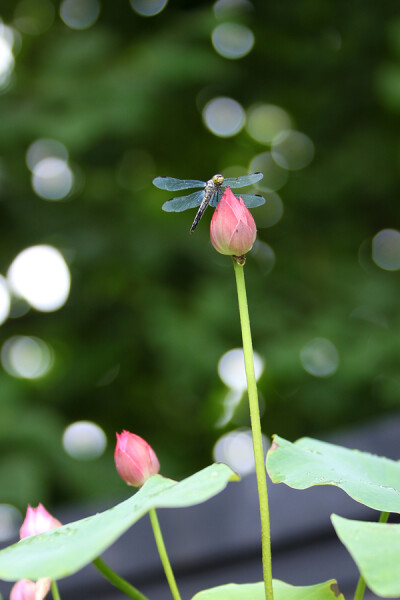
(210, 193)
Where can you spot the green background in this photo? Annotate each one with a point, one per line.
(158, 307)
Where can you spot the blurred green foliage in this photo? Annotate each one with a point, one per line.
(152, 309)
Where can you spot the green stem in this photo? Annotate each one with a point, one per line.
(54, 591)
(163, 554)
(117, 581)
(256, 429)
(360, 589)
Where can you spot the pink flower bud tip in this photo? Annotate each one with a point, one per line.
(37, 520)
(28, 590)
(135, 460)
(232, 230)
(23, 590)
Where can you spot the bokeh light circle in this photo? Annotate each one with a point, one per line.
(5, 300)
(232, 40)
(148, 8)
(386, 249)
(79, 14)
(84, 440)
(235, 449)
(232, 371)
(271, 212)
(320, 357)
(224, 116)
(274, 176)
(40, 275)
(266, 121)
(52, 179)
(6, 55)
(45, 148)
(292, 150)
(26, 357)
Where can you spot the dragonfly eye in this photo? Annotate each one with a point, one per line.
(218, 179)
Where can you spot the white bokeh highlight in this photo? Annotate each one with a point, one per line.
(386, 249)
(232, 40)
(40, 275)
(6, 55)
(26, 357)
(79, 14)
(148, 8)
(232, 371)
(224, 116)
(52, 179)
(5, 300)
(84, 440)
(235, 449)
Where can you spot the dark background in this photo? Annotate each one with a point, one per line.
(151, 309)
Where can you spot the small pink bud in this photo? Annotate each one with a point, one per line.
(232, 230)
(135, 460)
(37, 520)
(28, 590)
(23, 590)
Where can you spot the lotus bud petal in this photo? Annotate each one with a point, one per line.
(42, 588)
(23, 590)
(232, 230)
(37, 520)
(135, 460)
(28, 590)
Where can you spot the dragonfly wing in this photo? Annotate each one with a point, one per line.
(252, 200)
(238, 182)
(184, 202)
(172, 185)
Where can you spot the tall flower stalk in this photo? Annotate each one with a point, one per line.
(255, 427)
(233, 232)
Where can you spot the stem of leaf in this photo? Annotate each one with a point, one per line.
(117, 581)
(256, 429)
(360, 589)
(54, 591)
(163, 554)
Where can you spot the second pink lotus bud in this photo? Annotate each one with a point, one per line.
(37, 520)
(135, 460)
(25, 589)
(232, 230)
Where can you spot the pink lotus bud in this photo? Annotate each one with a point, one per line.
(23, 590)
(232, 230)
(37, 520)
(28, 590)
(135, 460)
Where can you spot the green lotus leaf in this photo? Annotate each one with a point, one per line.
(282, 591)
(369, 479)
(375, 548)
(65, 550)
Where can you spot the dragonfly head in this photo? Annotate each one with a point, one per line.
(218, 179)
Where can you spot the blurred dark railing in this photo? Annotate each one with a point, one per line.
(219, 541)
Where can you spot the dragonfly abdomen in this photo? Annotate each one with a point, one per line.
(210, 189)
